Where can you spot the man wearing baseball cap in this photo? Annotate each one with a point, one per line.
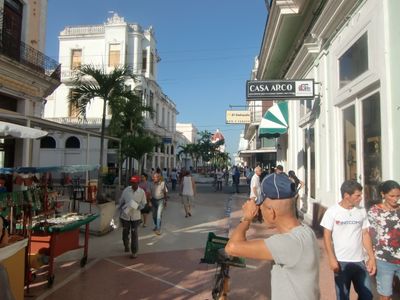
(132, 200)
(293, 249)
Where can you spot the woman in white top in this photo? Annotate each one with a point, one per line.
(188, 191)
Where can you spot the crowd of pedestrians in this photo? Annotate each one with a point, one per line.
(359, 243)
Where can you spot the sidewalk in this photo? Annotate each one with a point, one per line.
(168, 265)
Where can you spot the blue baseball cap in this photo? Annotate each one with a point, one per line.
(277, 186)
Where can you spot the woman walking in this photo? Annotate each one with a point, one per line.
(385, 231)
(144, 185)
(188, 191)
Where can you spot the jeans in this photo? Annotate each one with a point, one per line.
(356, 273)
(158, 207)
(384, 277)
(132, 227)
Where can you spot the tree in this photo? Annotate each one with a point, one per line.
(137, 147)
(127, 121)
(91, 83)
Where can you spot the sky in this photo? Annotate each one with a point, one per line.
(207, 50)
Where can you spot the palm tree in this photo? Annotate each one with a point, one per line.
(90, 83)
(137, 147)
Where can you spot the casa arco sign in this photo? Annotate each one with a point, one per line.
(274, 89)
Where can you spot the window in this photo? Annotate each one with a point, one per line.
(144, 61)
(76, 58)
(157, 114)
(48, 142)
(163, 117)
(152, 104)
(114, 55)
(354, 61)
(72, 143)
(11, 18)
(73, 110)
(152, 63)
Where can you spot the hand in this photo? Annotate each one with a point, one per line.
(250, 209)
(334, 265)
(371, 266)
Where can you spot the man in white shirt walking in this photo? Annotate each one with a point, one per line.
(132, 200)
(345, 238)
(255, 185)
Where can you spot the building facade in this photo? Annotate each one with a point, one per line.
(115, 43)
(349, 130)
(27, 76)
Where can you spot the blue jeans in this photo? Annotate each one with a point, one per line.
(384, 277)
(158, 207)
(356, 273)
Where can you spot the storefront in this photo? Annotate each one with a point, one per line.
(349, 130)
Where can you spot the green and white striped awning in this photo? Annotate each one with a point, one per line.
(275, 121)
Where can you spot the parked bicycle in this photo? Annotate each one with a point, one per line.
(215, 254)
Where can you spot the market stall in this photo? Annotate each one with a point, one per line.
(55, 236)
(34, 212)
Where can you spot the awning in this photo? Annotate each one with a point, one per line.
(18, 131)
(275, 121)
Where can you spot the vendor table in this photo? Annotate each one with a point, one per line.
(55, 240)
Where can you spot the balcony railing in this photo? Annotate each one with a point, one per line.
(29, 56)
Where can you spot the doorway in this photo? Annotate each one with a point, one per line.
(362, 145)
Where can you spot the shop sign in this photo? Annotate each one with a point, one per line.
(273, 89)
(238, 117)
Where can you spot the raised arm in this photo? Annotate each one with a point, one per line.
(238, 245)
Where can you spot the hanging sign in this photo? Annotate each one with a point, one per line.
(273, 89)
(238, 117)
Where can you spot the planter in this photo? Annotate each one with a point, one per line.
(100, 225)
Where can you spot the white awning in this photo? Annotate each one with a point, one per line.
(18, 131)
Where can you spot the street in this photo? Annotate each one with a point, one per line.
(167, 266)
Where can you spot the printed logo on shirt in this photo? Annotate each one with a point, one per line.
(351, 222)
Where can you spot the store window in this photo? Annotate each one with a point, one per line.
(309, 161)
(372, 160)
(47, 142)
(72, 143)
(114, 55)
(350, 143)
(76, 58)
(354, 61)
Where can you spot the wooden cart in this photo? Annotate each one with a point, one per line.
(58, 239)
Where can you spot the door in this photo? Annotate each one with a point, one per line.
(362, 145)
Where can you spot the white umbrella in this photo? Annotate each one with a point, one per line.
(18, 131)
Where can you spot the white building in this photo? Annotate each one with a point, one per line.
(187, 133)
(350, 130)
(115, 43)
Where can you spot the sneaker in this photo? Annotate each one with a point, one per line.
(133, 255)
(158, 232)
(189, 214)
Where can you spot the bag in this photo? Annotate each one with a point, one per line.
(146, 209)
(115, 222)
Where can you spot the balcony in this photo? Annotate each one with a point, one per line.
(29, 56)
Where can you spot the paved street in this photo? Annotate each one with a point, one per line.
(168, 265)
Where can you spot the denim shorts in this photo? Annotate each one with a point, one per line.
(384, 277)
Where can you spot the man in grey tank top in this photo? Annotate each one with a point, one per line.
(294, 249)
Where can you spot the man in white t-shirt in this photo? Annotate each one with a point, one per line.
(255, 185)
(345, 238)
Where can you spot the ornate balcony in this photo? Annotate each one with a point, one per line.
(29, 56)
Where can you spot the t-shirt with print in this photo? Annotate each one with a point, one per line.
(295, 274)
(385, 233)
(346, 226)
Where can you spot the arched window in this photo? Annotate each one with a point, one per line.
(72, 143)
(47, 142)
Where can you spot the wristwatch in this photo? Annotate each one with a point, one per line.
(244, 219)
